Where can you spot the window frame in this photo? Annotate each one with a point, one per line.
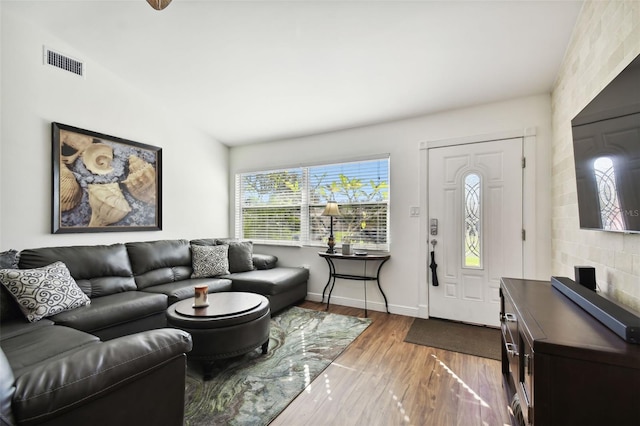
(306, 208)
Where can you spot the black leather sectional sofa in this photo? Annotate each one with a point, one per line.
(114, 361)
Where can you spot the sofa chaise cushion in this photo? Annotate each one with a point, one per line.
(269, 281)
(283, 286)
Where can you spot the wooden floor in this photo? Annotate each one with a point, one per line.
(381, 380)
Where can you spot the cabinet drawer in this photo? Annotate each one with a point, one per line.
(525, 379)
(509, 328)
(509, 320)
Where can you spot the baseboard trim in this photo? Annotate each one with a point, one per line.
(408, 311)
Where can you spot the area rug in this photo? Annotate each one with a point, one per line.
(457, 337)
(255, 388)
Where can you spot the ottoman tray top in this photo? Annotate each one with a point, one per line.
(220, 305)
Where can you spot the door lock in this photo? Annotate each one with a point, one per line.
(434, 226)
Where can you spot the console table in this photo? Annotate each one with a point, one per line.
(331, 257)
(560, 364)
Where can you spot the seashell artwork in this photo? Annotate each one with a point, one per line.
(108, 204)
(141, 181)
(73, 145)
(97, 158)
(104, 183)
(70, 191)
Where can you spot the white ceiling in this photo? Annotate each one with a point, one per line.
(252, 71)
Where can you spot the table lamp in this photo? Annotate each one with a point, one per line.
(331, 210)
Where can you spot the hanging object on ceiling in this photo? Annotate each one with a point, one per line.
(159, 4)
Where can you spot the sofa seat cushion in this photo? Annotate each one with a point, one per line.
(16, 327)
(181, 290)
(109, 311)
(269, 281)
(43, 344)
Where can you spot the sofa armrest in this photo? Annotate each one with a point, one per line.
(264, 261)
(93, 372)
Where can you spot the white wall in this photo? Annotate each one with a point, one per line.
(605, 40)
(195, 167)
(401, 276)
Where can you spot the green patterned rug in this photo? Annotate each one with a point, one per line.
(255, 388)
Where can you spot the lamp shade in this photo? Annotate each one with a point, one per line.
(159, 4)
(331, 209)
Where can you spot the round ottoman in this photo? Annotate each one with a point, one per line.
(233, 324)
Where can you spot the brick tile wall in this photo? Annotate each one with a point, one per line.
(605, 40)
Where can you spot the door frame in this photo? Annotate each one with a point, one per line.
(529, 260)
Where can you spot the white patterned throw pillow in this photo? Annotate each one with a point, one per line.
(43, 292)
(209, 261)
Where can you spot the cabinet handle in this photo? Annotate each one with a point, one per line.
(510, 317)
(512, 349)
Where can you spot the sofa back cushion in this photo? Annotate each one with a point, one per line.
(160, 262)
(98, 270)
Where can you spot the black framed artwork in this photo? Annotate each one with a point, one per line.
(104, 183)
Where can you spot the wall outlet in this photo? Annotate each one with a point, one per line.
(305, 266)
(414, 211)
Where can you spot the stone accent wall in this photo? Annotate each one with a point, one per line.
(606, 38)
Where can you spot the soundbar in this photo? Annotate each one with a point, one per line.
(619, 320)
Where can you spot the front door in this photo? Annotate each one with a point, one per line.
(475, 195)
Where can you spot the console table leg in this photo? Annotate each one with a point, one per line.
(330, 291)
(386, 304)
(329, 280)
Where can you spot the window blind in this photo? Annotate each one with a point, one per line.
(285, 206)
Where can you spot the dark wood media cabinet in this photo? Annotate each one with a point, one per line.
(564, 366)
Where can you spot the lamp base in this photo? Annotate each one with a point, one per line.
(331, 243)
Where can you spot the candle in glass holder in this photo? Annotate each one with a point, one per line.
(201, 296)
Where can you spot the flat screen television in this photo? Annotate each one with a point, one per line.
(606, 148)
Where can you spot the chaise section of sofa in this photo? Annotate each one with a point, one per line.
(260, 273)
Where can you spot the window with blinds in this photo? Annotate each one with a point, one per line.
(285, 206)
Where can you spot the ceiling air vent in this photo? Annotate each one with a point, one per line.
(64, 62)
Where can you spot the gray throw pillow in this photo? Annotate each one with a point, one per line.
(209, 261)
(43, 292)
(240, 255)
